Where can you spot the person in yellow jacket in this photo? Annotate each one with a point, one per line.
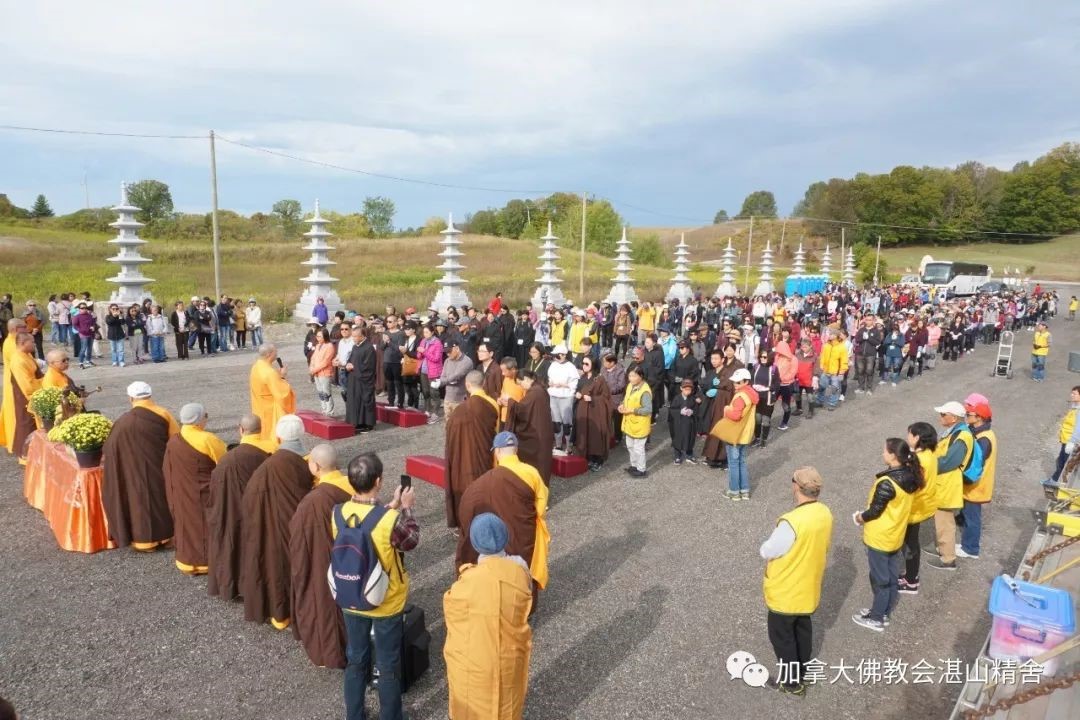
(646, 320)
(636, 411)
(954, 454)
(834, 367)
(578, 332)
(396, 533)
(979, 492)
(884, 523)
(923, 441)
(1068, 433)
(796, 552)
(1073, 305)
(488, 638)
(1040, 348)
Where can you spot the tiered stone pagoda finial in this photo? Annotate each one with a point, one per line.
(451, 290)
(826, 264)
(849, 267)
(623, 289)
(765, 284)
(798, 266)
(130, 279)
(548, 286)
(680, 284)
(319, 282)
(727, 273)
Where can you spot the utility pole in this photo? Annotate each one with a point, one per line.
(877, 260)
(214, 219)
(581, 270)
(842, 254)
(783, 231)
(749, 243)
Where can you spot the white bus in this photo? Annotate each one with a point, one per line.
(954, 278)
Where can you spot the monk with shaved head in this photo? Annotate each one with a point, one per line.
(7, 409)
(227, 483)
(317, 621)
(24, 379)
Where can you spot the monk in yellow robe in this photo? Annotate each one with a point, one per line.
(510, 389)
(25, 380)
(271, 395)
(488, 638)
(7, 410)
(190, 457)
(56, 376)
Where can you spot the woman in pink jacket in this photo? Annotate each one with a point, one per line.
(786, 367)
(430, 353)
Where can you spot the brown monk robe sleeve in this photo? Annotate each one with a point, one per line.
(223, 518)
(470, 431)
(317, 620)
(493, 380)
(187, 487)
(270, 499)
(502, 492)
(133, 486)
(530, 420)
(593, 420)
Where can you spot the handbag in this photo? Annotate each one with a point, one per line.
(410, 366)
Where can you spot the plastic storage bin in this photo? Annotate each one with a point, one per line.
(1022, 630)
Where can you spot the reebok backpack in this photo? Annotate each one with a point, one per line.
(358, 580)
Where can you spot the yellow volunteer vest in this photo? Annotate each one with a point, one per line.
(886, 533)
(1068, 424)
(1041, 342)
(636, 426)
(925, 501)
(558, 333)
(398, 589)
(792, 583)
(577, 332)
(950, 492)
(982, 491)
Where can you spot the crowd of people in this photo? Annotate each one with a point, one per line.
(261, 518)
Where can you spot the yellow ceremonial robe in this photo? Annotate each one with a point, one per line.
(267, 446)
(512, 390)
(488, 640)
(204, 441)
(7, 410)
(55, 379)
(538, 564)
(22, 373)
(271, 397)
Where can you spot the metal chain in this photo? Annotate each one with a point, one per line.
(1040, 690)
(1046, 552)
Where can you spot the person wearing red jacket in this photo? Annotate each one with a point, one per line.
(807, 373)
(740, 411)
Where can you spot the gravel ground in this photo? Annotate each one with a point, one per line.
(654, 582)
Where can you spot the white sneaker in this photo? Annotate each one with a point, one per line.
(121, 364)
(883, 382)
(841, 398)
(869, 392)
(894, 384)
(960, 553)
(858, 391)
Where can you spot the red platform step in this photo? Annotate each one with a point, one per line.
(401, 417)
(568, 466)
(325, 427)
(428, 468)
(380, 412)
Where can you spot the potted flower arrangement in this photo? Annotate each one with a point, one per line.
(85, 434)
(44, 404)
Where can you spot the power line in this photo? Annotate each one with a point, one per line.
(103, 134)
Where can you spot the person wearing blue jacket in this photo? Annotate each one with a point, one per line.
(669, 345)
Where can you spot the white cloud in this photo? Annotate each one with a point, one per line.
(408, 86)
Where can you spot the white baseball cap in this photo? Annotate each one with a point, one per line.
(741, 374)
(138, 390)
(951, 408)
(559, 349)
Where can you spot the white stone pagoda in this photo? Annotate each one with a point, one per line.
(548, 285)
(765, 284)
(727, 273)
(623, 289)
(848, 276)
(826, 264)
(319, 282)
(451, 290)
(680, 284)
(798, 266)
(130, 280)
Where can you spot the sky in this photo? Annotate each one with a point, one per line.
(671, 110)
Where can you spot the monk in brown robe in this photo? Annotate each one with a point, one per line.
(227, 483)
(133, 486)
(592, 415)
(190, 457)
(530, 420)
(718, 378)
(489, 365)
(270, 499)
(469, 432)
(25, 381)
(317, 620)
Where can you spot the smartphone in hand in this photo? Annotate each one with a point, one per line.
(279, 363)
(406, 481)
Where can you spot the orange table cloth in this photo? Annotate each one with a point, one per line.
(69, 496)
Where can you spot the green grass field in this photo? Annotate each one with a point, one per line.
(38, 261)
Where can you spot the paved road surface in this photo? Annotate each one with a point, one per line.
(654, 582)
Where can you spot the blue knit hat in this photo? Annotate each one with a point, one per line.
(488, 534)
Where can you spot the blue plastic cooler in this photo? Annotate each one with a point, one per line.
(1030, 624)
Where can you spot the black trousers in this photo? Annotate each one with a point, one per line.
(791, 636)
(912, 551)
(181, 345)
(621, 343)
(395, 388)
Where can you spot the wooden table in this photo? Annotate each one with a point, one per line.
(69, 496)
